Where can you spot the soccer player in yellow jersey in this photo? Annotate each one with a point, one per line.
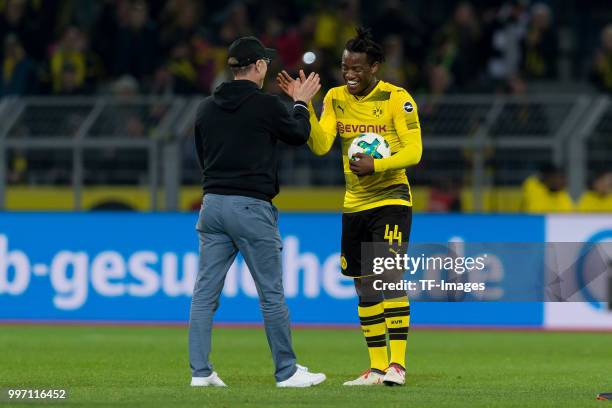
(378, 201)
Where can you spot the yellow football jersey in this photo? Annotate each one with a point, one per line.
(537, 198)
(591, 201)
(387, 110)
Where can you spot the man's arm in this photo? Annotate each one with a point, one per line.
(292, 129)
(408, 128)
(323, 132)
(197, 135)
(295, 130)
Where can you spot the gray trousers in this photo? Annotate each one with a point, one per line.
(228, 224)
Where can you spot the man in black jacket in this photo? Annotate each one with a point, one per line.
(236, 135)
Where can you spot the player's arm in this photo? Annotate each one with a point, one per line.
(408, 128)
(323, 131)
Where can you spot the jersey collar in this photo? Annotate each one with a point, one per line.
(363, 98)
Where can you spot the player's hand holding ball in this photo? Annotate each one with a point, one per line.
(364, 149)
(362, 164)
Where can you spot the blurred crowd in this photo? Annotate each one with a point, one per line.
(179, 47)
(68, 47)
(546, 191)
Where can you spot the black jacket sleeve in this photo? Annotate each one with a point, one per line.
(294, 128)
(197, 129)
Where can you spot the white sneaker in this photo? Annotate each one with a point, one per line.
(302, 378)
(396, 375)
(368, 377)
(212, 380)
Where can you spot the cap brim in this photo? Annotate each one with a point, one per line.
(270, 53)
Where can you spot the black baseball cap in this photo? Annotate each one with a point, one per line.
(247, 50)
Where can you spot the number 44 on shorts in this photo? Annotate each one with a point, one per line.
(393, 234)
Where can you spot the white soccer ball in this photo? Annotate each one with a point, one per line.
(371, 144)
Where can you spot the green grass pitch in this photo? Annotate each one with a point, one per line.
(144, 366)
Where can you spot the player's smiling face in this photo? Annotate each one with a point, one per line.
(357, 72)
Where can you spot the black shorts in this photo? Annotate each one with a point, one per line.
(388, 224)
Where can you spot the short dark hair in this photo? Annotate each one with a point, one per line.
(365, 43)
(240, 71)
(549, 169)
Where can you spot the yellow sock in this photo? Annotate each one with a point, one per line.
(373, 326)
(397, 319)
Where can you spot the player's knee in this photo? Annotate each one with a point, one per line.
(203, 305)
(274, 309)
